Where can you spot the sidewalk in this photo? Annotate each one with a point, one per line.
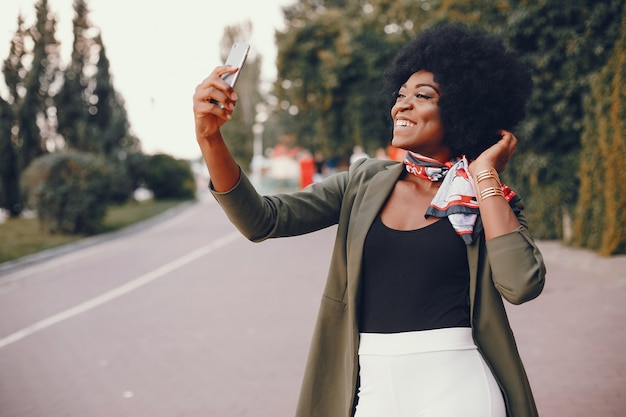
(572, 338)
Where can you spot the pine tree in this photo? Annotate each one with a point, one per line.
(9, 173)
(71, 101)
(33, 119)
(13, 66)
(13, 71)
(108, 120)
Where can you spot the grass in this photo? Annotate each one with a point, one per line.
(21, 237)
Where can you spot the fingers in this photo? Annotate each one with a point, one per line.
(213, 103)
(509, 140)
(214, 95)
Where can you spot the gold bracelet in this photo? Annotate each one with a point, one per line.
(488, 173)
(491, 192)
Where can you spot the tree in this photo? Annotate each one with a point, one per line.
(9, 173)
(13, 71)
(71, 102)
(13, 66)
(108, 121)
(600, 221)
(330, 63)
(564, 43)
(32, 111)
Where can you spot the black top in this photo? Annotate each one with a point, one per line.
(414, 280)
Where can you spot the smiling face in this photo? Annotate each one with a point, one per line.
(417, 122)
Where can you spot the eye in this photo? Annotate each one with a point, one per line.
(423, 96)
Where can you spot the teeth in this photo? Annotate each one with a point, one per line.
(405, 123)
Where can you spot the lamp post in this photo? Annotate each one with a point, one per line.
(257, 154)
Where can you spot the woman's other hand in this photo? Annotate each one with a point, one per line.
(213, 103)
(496, 156)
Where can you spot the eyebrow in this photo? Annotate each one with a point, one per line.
(425, 85)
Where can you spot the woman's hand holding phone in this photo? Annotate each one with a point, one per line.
(213, 102)
(214, 99)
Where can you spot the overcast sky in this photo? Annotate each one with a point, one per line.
(159, 51)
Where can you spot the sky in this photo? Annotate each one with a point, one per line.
(157, 65)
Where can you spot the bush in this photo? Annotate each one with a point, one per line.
(600, 223)
(127, 174)
(169, 178)
(69, 190)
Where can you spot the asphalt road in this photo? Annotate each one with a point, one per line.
(185, 317)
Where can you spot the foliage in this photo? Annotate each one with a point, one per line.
(332, 54)
(75, 108)
(30, 72)
(72, 100)
(169, 177)
(331, 57)
(127, 174)
(564, 43)
(69, 190)
(107, 118)
(601, 216)
(9, 174)
(30, 86)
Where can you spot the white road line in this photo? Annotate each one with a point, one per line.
(119, 291)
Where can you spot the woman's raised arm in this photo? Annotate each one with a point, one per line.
(213, 103)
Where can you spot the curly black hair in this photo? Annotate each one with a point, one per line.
(484, 85)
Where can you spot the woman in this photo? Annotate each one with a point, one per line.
(411, 320)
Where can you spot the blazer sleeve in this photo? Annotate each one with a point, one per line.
(517, 266)
(260, 217)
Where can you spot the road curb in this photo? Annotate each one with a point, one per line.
(15, 264)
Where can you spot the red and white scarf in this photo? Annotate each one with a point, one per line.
(456, 198)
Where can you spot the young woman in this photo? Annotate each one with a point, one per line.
(412, 321)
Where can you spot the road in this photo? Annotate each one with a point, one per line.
(187, 318)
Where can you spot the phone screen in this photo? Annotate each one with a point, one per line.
(236, 58)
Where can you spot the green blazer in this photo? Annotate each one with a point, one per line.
(508, 266)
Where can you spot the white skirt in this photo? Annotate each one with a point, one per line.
(433, 373)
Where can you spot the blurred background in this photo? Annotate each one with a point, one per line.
(102, 90)
(185, 317)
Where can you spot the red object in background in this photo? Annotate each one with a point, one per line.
(307, 170)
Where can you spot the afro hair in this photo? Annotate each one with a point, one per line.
(484, 86)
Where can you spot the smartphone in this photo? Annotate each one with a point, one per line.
(236, 58)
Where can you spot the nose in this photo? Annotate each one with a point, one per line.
(401, 104)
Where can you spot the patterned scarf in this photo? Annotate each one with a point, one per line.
(456, 198)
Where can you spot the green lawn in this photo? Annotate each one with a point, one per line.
(21, 237)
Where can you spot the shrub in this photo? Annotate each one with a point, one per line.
(169, 178)
(127, 174)
(69, 190)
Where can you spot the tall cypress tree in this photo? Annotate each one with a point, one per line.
(13, 71)
(9, 174)
(32, 112)
(108, 121)
(71, 101)
(13, 65)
